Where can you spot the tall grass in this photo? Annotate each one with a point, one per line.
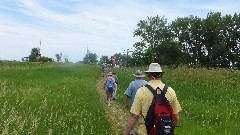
(50, 99)
(209, 98)
(63, 99)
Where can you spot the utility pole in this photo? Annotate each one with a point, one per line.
(38, 51)
(88, 59)
(127, 56)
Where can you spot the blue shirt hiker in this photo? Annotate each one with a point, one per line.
(133, 87)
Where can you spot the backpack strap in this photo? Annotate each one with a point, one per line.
(151, 89)
(163, 92)
(161, 97)
(150, 118)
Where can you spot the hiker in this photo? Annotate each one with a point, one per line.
(110, 87)
(144, 98)
(103, 69)
(133, 87)
(116, 81)
(109, 62)
(115, 77)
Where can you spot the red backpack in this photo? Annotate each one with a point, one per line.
(159, 117)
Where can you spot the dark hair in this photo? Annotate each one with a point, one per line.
(156, 74)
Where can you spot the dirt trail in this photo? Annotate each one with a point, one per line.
(117, 114)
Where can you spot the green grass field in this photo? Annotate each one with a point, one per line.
(50, 99)
(209, 98)
(63, 99)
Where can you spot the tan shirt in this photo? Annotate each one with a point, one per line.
(143, 100)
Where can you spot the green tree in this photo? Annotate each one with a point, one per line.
(210, 36)
(188, 32)
(213, 41)
(35, 55)
(45, 59)
(66, 59)
(90, 58)
(152, 32)
(198, 46)
(183, 40)
(148, 56)
(59, 57)
(171, 54)
(138, 54)
(103, 59)
(232, 40)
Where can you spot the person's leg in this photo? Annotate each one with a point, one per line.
(109, 97)
(103, 72)
(116, 93)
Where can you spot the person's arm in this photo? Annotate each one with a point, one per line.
(126, 101)
(175, 105)
(128, 94)
(115, 86)
(131, 123)
(175, 118)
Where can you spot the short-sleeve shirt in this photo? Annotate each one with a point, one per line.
(103, 66)
(132, 89)
(143, 100)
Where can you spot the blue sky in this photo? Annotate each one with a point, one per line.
(104, 26)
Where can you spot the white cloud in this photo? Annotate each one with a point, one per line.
(105, 29)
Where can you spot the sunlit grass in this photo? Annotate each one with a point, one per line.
(209, 98)
(63, 99)
(50, 99)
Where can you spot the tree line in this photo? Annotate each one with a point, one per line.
(35, 56)
(212, 42)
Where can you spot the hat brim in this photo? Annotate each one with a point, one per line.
(138, 75)
(154, 71)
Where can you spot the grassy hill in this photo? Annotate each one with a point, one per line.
(63, 99)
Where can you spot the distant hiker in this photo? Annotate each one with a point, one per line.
(144, 102)
(116, 81)
(103, 69)
(109, 62)
(115, 77)
(133, 87)
(110, 87)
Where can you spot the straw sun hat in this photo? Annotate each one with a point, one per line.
(154, 67)
(109, 74)
(138, 73)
